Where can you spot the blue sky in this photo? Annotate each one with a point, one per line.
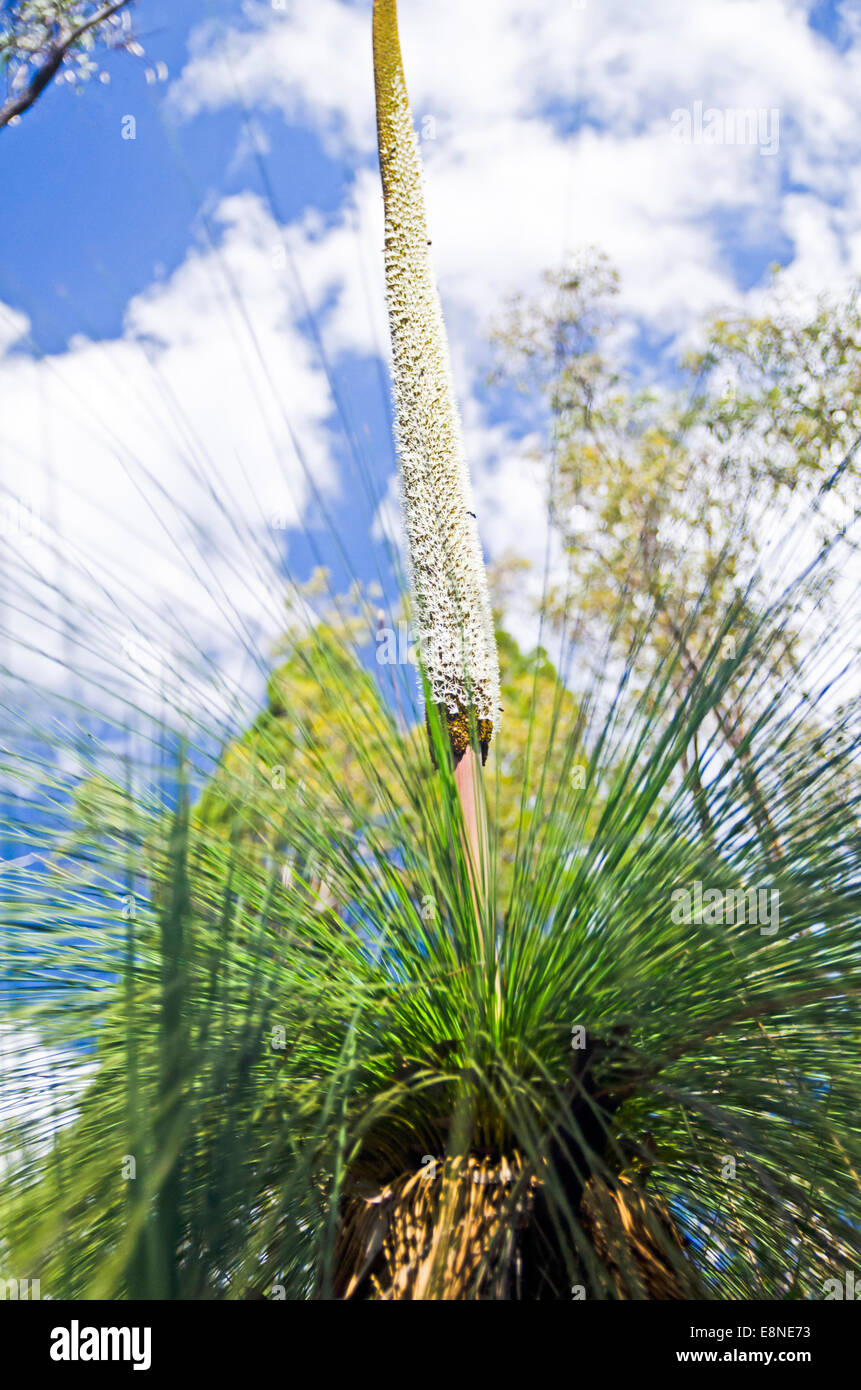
(166, 410)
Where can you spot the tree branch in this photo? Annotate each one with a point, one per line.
(48, 69)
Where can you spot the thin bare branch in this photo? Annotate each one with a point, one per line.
(49, 68)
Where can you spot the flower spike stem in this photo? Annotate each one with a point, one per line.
(467, 777)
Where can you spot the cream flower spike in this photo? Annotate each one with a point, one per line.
(455, 625)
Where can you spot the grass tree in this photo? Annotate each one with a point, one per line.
(304, 1033)
(437, 1244)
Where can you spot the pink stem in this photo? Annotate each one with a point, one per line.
(467, 776)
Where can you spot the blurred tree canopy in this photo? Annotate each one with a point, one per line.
(677, 506)
(319, 732)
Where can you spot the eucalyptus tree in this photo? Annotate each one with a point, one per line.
(674, 503)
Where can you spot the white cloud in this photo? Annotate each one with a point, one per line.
(310, 61)
(13, 327)
(156, 475)
(39, 1090)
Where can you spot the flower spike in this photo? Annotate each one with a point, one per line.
(455, 624)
